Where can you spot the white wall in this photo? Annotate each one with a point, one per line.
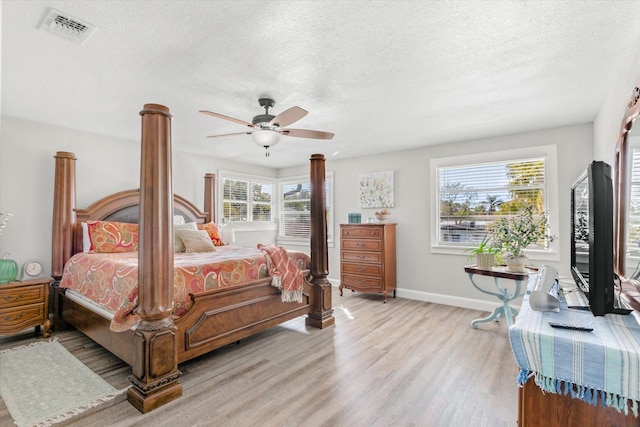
(437, 277)
(607, 125)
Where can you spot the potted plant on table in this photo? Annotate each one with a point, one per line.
(485, 253)
(510, 236)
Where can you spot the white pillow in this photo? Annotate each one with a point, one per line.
(178, 219)
(178, 244)
(86, 241)
(196, 241)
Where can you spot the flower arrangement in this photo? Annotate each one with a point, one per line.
(8, 267)
(4, 219)
(512, 235)
(383, 214)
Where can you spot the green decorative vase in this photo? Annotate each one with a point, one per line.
(8, 269)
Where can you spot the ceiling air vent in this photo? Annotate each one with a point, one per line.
(65, 26)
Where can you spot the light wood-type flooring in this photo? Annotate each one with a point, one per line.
(403, 363)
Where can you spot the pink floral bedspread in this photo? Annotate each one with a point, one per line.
(111, 279)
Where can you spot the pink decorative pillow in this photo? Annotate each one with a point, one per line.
(110, 236)
(213, 232)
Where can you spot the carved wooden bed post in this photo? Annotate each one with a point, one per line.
(321, 315)
(64, 214)
(155, 368)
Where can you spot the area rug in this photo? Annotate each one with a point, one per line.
(43, 384)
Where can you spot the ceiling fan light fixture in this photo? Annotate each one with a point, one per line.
(265, 137)
(269, 127)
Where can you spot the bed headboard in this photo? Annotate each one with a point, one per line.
(123, 206)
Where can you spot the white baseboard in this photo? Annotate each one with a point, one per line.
(470, 303)
(473, 304)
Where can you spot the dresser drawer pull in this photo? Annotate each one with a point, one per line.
(10, 298)
(360, 245)
(9, 318)
(360, 269)
(361, 257)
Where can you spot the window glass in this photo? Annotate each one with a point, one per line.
(295, 208)
(471, 191)
(246, 200)
(255, 199)
(633, 222)
(473, 196)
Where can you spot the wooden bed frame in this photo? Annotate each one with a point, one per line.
(218, 317)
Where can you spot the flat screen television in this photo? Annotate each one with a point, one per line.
(592, 237)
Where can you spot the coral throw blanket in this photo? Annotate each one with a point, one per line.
(284, 272)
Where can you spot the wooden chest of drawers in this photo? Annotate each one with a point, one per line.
(25, 304)
(368, 258)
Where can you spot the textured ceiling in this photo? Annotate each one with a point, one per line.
(381, 75)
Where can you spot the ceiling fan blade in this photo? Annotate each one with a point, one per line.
(307, 133)
(231, 119)
(229, 134)
(289, 116)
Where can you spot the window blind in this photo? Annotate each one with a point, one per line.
(295, 208)
(472, 196)
(246, 200)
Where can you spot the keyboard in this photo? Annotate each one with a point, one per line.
(575, 297)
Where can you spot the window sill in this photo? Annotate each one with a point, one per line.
(550, 255)
(250, 227)
(299, 242)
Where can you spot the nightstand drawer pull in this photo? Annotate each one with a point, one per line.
(13, 299)
(9, 318)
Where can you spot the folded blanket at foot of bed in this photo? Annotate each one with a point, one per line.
(284, 272)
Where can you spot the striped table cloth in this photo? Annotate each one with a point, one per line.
(603, 363)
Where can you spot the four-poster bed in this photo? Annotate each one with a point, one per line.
(217, 316)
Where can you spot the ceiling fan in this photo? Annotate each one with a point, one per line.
(267, 128)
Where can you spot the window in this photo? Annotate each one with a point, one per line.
(246, 199)
(295, 208)
(633, 221)
(260, 200)
(470, 192)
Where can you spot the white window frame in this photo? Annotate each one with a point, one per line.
(548, 152)
(249, 223)
(294, 180)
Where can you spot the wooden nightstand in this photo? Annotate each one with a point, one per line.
(25, 304)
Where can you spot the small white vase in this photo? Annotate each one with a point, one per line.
(516, 264)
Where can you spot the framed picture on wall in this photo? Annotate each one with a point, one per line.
(376, 190)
